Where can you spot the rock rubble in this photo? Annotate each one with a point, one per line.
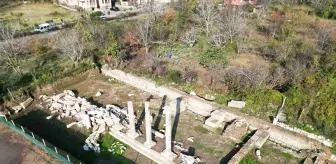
(98, 119)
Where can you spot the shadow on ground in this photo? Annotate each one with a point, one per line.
(227, 158)
(72, 141)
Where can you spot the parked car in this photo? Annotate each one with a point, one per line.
(42, 27)
(102, 17)
(50, 25)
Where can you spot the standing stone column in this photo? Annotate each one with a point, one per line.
(168, 136)
(131, 132)
(149, 142)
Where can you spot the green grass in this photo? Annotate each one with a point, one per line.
(333, 149)
(267, 150)
(106, 142)
(248, 160)
(201, 129)
(37, 13)
(203, 147)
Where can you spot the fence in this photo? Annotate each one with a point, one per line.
(40, 142)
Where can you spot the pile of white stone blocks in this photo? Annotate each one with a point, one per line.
(98, 119)
(23, 105)
(236, 104)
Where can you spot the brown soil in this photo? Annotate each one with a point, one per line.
(17, 149)
(210, 146)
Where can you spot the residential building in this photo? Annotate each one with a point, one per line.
(240, 2)
(87, 4)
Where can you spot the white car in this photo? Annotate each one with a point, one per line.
(102, 17)
(43, 27)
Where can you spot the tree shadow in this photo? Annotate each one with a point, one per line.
(227, 124)
(150, 98)
(191, 151)
(159, 116)
(94, 102)
(140, 120)
(75, 91)
(97, 62)
(234, 151)
(177, 117)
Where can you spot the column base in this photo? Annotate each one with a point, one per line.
(150, 144)
(169, 155)
(132, 134)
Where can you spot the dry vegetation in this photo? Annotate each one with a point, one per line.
(27, 15)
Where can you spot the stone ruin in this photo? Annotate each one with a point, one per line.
(112, 118)
(236, 129)
(22, 105)
(87, 115)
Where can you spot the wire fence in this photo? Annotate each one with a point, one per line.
(40, 142)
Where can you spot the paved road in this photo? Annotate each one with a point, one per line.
(16, 149)
(9, 153)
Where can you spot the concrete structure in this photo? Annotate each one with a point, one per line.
(131, 131)
(87, 4)
(92, 5)
(168, 136)
(240, 2)
(215, 120)
(257, 140)
(149, 142)
(139, 147)
(236, 104)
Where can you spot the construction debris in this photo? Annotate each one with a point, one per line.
(236, 104)
(90, 116)
(236, 129)
(258, 154)
(191, 138)
(188, 159)
(23, 105)
(179, 147)
(98, 94)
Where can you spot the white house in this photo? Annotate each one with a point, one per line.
(105, 4)
(87, 4)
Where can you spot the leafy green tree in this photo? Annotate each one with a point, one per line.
(113, 50)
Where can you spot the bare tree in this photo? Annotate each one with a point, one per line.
(241, 77)
(232, 23)
(10, 48)
(324, 39)
(284, 49)
(242, 45)
(217, 38)
(189, 37)
(72, 45)
(207, 14)
(145, 29)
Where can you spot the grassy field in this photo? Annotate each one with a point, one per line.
(36, 13)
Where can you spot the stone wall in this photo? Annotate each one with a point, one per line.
(321, 139)
(191, 102)
(202, 107)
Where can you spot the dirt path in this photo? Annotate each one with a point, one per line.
(15, 149)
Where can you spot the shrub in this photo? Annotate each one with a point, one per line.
(213, 55)
(174, 76)
(95, 15)
(263, 102)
